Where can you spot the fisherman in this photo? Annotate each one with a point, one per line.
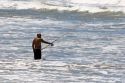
(36, 46)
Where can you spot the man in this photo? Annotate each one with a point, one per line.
(36, 45)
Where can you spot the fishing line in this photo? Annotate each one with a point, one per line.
(53, 41)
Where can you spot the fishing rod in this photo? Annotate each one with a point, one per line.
(52, 42)
(49, 44)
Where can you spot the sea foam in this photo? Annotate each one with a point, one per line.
(67, 5)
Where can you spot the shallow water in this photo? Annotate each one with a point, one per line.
(89, 47)
(84, 53)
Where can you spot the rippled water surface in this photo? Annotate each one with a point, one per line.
(85, 52)
(90, 47)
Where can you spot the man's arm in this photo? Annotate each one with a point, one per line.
(46, 42)
(33, 44)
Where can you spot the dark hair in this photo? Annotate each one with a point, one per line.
(38, 34)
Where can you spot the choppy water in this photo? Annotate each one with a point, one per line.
(90, 46)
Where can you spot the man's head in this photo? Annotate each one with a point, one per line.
(39, 35)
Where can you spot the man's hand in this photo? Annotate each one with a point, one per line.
(51, 44)
(33, 50)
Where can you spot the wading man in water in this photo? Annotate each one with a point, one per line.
(36, 45)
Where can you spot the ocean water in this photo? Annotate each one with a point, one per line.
(90, 46)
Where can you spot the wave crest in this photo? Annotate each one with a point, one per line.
(95, 7)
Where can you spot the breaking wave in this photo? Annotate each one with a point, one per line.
(66, 5)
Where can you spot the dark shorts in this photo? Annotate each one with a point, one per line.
(37, 54)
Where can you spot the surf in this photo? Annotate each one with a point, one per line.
(91, 6)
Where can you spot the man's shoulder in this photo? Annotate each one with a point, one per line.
(38, 38)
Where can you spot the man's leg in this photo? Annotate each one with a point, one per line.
(37, 54)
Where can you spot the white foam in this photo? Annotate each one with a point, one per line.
(14, 48)
(98, 1)
(6, 35)
(71, 5)
(110, 49)
(54, 63)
